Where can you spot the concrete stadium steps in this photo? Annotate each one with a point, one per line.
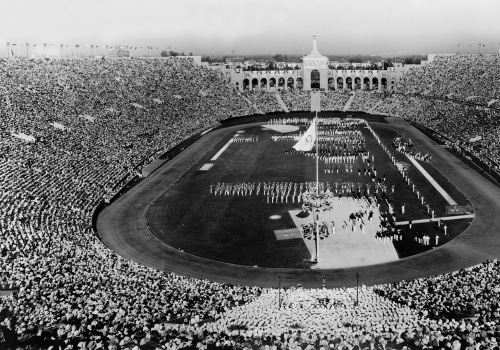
(348, 103)
(374, 108)
(253, 105)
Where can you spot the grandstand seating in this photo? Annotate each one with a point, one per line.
(96, 123)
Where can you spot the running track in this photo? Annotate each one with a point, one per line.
(122, 228)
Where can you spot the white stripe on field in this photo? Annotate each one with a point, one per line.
(218, 154)
(433, 182)
(445, 218)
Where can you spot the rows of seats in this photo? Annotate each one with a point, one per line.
(363, 101)
(469, 293)
(466, 78)
(334, 100)
(296, 100)
(265, 102)
(458, 96)
(470, 127)
(92, 125)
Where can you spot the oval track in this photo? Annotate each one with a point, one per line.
(122, 228)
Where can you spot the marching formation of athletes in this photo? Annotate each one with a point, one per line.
(245, 138)
(407, 147)
(340, 145)
(286, 137)
(339, 122)
(234, 189)
(298, 192)
(404, 173)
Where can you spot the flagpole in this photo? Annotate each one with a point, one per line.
(317, 186)
(317, 161)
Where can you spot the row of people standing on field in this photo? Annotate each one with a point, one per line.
(337, 122)
(245, 138)
(301, 192)
(288, 121)
(389, 234)
(408, 148)
(403, 171)
(239, 189)
(335, 168)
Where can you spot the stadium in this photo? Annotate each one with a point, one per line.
(160, 203)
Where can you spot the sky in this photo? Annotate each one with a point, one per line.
(216, 27)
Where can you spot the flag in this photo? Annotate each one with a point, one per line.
(306, 143)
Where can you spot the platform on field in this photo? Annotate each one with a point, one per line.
(292, 233)
(344, 248)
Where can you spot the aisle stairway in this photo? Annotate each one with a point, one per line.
(348, 103)
(371, 110)
(252, 104)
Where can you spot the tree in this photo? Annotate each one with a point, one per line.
(409, 60)
(388, 64)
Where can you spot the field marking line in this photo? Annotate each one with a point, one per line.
(433, 182)
(218, 154)
(444, 218)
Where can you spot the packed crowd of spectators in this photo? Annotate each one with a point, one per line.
(334, 100)
(456, 96)
(265, 102)
(472, 293)
(364, 101)
(471, 78)
(296, 100)
(472, 128)
(90, 126)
